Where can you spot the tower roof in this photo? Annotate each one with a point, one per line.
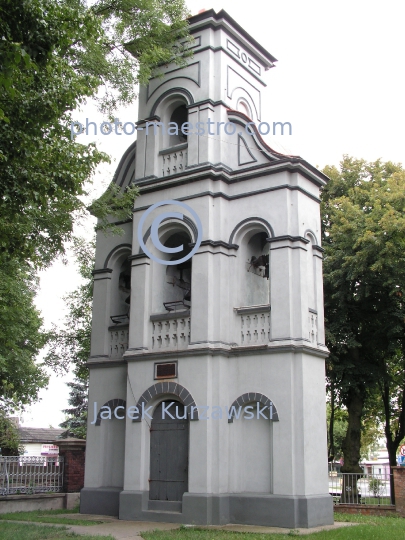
(222, 19)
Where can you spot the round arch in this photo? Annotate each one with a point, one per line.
(253, 397)
(112, 404)
(179, 392)
(254, 224)
(116, 253)
(171, 94)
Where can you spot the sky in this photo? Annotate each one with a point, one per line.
(339, 81)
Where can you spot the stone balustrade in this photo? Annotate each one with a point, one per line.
(173, 160)
(254, 325)
(118, 340)
(170, 331)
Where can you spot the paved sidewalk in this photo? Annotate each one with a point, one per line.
(132, 530)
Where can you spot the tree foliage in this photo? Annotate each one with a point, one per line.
(363, 235)
(71, 346)
(10, 441)
(55, 55)
(21, 337)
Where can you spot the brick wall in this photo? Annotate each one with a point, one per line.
(73, 451)
(399, 483)
(365, 509)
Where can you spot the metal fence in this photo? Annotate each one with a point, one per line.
(347, 488)
(31, 474)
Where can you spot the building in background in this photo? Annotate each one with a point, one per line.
(39, 441)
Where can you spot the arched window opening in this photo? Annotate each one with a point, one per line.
(179, 117)
(257, 270)
(123, 294)
(259, 255)
(177, 293)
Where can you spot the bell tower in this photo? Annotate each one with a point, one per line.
(207, 369)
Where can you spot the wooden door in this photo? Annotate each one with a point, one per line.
(168, 455)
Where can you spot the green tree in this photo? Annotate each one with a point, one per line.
(55, 55)
(71, 346)
(363, 236)
(72, 52)
(21, 337)
(10, 441)
(337, 427)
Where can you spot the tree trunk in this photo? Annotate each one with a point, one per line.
(331, 451)
(351, 447)
(392, 455)
(393, 441)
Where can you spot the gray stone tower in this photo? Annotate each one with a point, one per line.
(232, 336)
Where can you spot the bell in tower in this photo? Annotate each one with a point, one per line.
(207, 367)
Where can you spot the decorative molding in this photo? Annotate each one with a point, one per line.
(233, 48)
(177, 148)
(116, 248)
(210, 16)
(173, 91)
(217, 243)
(185, 220)
(243, 146)
(101, 271)
(250, 72)
(289, 238)
(130, 149)
(162, 388)
(233, 351)
(112, 404)
(169, 316)
(234, 82)
(141, 255)
(193, 77)
(318, 248)
(244, 310)
(254, 397)
(236, 51)
(252, 220)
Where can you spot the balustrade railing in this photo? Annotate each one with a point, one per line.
(173, 160)
(171, 331)
(254, 325)
(348, 488)
(31, 474)
(118, 340)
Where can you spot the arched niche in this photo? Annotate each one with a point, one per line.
(250, 465)
(247, 100)
(111, 432)
(253, 259)
(178, 117)
(311, 270)
(244, 107)
(120, 294)
(173, 113)
(171, 289)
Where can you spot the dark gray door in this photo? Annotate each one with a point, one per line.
(168, 455)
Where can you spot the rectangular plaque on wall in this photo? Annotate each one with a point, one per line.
(166, 370)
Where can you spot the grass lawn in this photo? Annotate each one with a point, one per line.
(369, 528)
(376, 500)
(19, 531)
(48, 516)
